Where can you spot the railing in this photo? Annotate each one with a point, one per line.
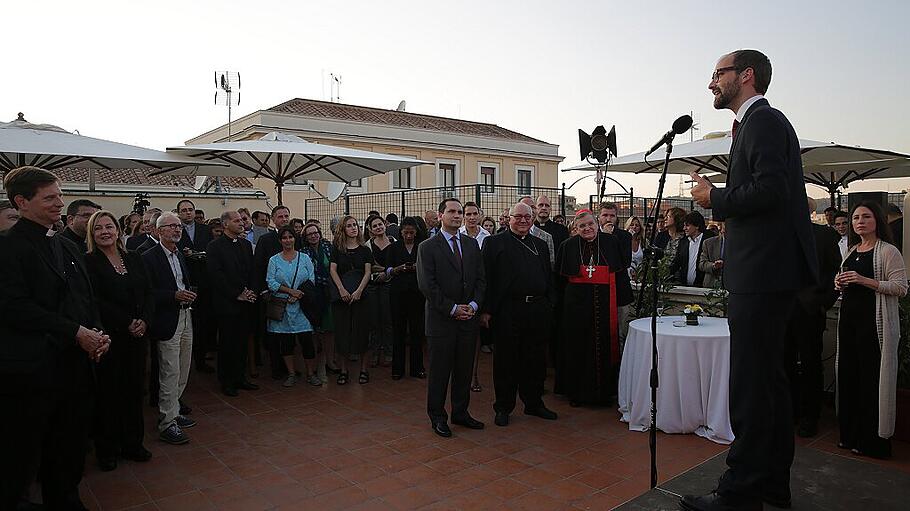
(415, 202)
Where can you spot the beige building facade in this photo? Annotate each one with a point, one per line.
(460, 152)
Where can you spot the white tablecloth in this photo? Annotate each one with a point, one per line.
(694, 370)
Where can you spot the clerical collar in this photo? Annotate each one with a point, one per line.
(33, 228)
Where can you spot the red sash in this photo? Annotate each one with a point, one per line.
(603, 276)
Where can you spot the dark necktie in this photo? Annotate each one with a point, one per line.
(735, 127)
(456, 250)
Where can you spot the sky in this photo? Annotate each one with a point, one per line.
(143, 72)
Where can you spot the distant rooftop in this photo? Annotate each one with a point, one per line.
(340, 111)
(140, 177)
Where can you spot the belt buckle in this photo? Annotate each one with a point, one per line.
(528, 298)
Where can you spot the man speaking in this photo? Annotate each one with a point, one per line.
(765, 264)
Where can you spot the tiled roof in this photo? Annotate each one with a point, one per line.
(313, 108)
(140, 177)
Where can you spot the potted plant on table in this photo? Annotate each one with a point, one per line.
(692, 312)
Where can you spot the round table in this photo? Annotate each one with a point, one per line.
(694, 373)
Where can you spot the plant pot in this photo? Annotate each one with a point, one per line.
(691, 319)
(902, 419)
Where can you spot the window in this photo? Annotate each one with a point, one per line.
(487, 178)
(524, 178)
(357, 183)
(401, 179)
(447, 176)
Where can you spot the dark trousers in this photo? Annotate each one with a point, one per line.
(50, 431)
(201, 324)
(261, 338)
(154, 384)
(408, 326)
(232, 351)
(520, 358)
(761, 414)
(451, 357)
(118, 403)
(805, 333)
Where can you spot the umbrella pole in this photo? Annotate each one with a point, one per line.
(278, 186)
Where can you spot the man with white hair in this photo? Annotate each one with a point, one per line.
(518, 307)
(172, 327)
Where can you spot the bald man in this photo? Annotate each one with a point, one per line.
(537, 231)
(559, 232)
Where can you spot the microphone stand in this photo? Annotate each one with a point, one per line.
(655, 254)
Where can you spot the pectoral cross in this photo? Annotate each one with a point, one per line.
(590, 271)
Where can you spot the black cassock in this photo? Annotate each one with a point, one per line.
(589, 358)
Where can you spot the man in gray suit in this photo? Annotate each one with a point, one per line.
(711, 260)
(450, 274)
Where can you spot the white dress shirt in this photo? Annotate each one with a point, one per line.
(842, 245)
(481, 234)
(745, 107)
(448, 237)
(694, 245)
(174, 262)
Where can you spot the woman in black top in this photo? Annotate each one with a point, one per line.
(380, 303)
(124, 301)
(406, 300)
(350, 273)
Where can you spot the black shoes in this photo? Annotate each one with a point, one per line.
(247, 385)
(174, 435)
(716, 502)
(541, 411)
(140, 454)
(442, 429)
(502, 419)
(229, 391)
(468, 422)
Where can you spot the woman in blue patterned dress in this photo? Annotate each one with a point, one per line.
(287, 271)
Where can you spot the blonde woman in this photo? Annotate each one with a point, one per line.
(350, 273)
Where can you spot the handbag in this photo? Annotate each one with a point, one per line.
(313, 302)
(276, 306)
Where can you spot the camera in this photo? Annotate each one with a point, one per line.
(141, 203)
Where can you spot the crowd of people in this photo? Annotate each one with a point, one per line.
(94, 299)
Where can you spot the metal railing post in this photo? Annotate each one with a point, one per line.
(562, 201)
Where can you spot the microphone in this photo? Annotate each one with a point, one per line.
(680, 126)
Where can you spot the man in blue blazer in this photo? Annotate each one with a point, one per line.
(766, 263)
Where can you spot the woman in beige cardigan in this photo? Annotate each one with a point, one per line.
(872, 279)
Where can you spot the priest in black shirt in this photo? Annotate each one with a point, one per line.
(559, 232)
(519, 306)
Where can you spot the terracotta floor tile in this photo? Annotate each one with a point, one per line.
(383, 485)
(506, 466)
(325, 483)
(567, 490)
(597, 478)
(599, 502)
(417, 474)
(120, 494)
(360, 472)
(410, 498)
(506, 488)
(449, 465)
(192, 501)
(211, 478)
(534, 501)
(341, 499)
(536, 478)
(564, 467)
(160, 489)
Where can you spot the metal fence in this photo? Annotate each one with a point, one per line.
(415, 202)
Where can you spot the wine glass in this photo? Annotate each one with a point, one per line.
(193, 289)
(660, 313)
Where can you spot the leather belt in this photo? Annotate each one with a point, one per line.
(528, 298)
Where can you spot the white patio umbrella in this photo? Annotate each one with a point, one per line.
(51, 147)
(827, 164)
(281, 157)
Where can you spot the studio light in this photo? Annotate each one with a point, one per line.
(599, 145)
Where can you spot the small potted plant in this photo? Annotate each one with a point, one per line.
(692, 312)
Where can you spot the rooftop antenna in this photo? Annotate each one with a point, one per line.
(227, 85)
(694, 127)
(335, 88)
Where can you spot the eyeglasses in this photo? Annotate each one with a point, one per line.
(521, 217)
(721, 70)
(84, 215)
(169, 226)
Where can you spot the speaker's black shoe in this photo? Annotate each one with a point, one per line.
(468, 422)
(541, 411)
(716, 502)
(442, 429)
(247, 385)
(501, 419)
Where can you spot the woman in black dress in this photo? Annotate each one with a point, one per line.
(350, 273)
(408, 303)
(872, 279)
(380, 303)
(124, 301)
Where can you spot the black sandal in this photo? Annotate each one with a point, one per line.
(364, 377)
(342, 378)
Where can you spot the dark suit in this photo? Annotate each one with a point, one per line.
(520, 299)
(769, 256)
(408, 307)
(147, 245)
(202, 319)
(680, 266)
(451, 343)
(46, 379)
(134, 242)
(72, 236)
(230, 271)
(806, 328)
(121, 299)
(161, 278)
